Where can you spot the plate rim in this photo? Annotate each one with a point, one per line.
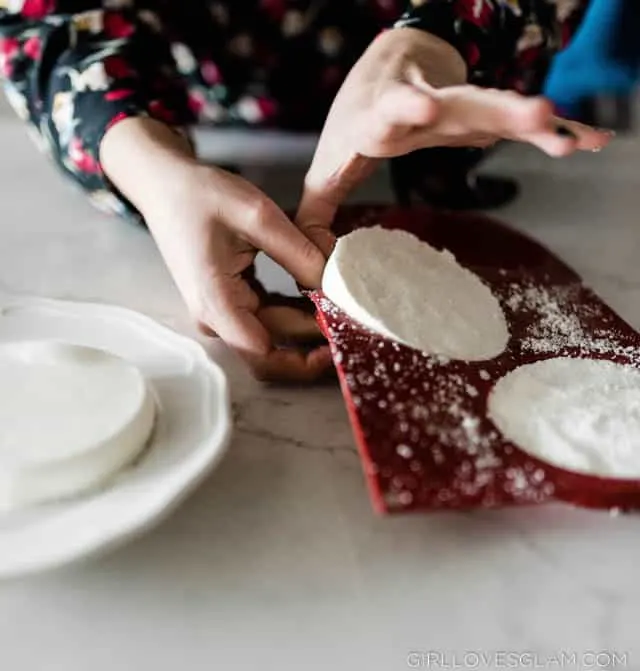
(163, 505)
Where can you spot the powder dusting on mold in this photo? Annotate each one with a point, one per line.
(427, 418)
(562, 320)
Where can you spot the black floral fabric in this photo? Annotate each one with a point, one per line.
(74, 68)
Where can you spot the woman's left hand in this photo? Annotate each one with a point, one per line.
(408, 92)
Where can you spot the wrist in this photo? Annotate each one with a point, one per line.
(441, 64)
(146, 161)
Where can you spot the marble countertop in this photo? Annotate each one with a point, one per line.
(277, 561)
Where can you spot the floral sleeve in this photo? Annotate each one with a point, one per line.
(505, 43)
(470, 26)
(73, 75)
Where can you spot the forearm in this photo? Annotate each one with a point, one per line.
(439, 64)
(146, 160)
(81, 76)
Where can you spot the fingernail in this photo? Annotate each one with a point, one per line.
(563, 131)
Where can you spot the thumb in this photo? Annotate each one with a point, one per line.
(324, 193)
(314, 218)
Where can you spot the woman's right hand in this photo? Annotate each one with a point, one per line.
(408, 92)
(209, 225)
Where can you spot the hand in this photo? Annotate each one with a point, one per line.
(408, 92)
(209, 226)
(209, 236)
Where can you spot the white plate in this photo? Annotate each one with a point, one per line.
(191, 434)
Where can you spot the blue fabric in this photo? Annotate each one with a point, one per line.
(603, 57)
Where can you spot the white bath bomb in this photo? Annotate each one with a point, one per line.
(71, 417)
(579, 414)
(404, 289)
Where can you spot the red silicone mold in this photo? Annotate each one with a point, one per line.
(420, 422)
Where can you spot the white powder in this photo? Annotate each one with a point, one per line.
(557, 324)
(564, 317)
(402, 288)
(579, 414)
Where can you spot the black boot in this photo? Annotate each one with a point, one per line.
(445, 178)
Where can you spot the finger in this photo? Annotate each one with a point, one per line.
(272, 232)
(588, 138)
(563, 137)
(314, 219)
(229, 313)
(233, 318)
(286, 323)
(281, 365)
(556, 142)
(467, 112)
(470, 109)
(328, 182)
(246, 334)
(508, 115)
(316, 212)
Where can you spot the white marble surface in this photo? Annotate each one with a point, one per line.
(278, 562)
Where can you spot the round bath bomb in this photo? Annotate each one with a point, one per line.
(402, 288)
(71, 417)
(579, 414)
